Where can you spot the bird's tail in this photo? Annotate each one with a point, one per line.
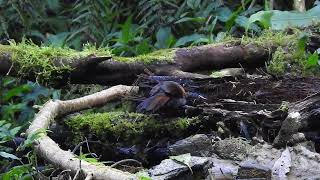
(153, 103)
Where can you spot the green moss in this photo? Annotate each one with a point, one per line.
(278, 63)
(126, 126)
(269, 38)
(290, 55)
(156, 56)
(36, 61)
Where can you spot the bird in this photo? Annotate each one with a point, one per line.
(165, 94)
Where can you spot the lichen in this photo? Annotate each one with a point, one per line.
(232, 148)
(124, 126)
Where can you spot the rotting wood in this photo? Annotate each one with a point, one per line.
(302, 116)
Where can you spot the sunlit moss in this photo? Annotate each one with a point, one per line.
(269, 38)
(47, 63)
(40, 62)
(163, 55)
(278, 63)
(127, 126)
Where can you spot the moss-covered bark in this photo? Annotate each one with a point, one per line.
(130, 128)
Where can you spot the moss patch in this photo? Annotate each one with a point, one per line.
(166, 55)
(129, 127)
(290, 55)
(38, 62)
(269, 38)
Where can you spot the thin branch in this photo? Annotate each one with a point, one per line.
(125, 161)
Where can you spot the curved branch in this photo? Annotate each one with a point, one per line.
(49, 150)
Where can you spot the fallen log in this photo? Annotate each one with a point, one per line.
(57, 67)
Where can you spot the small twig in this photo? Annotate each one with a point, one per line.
(92, 154)
(80, 157)
(10, 69)
(89, 177)
(76, 175)
(124, 161)
(253, 2)
(81, 143)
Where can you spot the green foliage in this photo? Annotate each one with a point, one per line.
(17, 99)
(263, 17)
(281, 20)
(88, 158)
(158, 24)
(291, 55)
(18, 172)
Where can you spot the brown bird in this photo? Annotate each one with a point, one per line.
(164, 94)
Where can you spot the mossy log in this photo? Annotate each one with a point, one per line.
(58, 66)
(112, 70)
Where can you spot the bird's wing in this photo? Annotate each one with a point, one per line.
(156, 89)
(153, 103)
(157, 102)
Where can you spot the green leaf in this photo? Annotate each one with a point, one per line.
(36, 33)
(57, 40)
(143, 175)
(37, 91)
(224, 14)
(220, 36)
(16, 172)
(15, 130)
(17, 91)
(32, 137)
(184, 159)
(9, 156)
(280, 20)
(242, 21)
(164, 38)
(263, 17)
(126, 34)
(285, 19)
(191, 19)
(188, 39)
(313, 60)
(302, 42)
(143, 47)
(193, 4)
(8, 111)
(53, 5)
